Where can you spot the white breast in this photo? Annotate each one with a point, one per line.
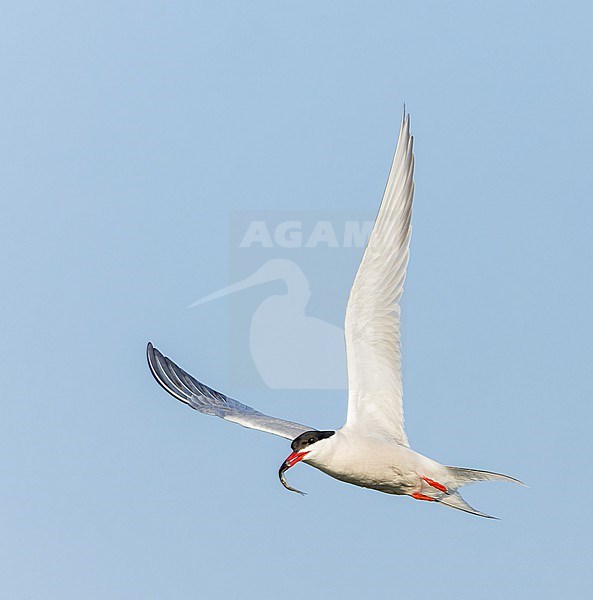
(368, 462)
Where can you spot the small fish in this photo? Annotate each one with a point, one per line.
(283, 481)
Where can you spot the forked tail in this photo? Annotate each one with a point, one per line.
(467, 476)
(458, 477)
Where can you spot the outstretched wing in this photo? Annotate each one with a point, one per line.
(372, 328)
(200, 397)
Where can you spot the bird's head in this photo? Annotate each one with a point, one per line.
(305, 445)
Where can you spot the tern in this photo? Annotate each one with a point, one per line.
(371, 450)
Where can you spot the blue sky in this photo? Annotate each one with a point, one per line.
(133, 134)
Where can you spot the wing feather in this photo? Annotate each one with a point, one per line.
(204, 399)
(372, 327)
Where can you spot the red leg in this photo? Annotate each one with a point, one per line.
(435, 484)
(419, 496)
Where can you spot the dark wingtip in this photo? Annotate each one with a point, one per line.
(150, 355)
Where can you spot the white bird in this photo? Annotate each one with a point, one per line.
(371, 450)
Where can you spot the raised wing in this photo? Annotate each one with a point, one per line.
(200, 397)
(372, 328)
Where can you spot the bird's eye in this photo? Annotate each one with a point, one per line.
(311, 440)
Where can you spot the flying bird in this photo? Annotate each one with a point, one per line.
(371, 450)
